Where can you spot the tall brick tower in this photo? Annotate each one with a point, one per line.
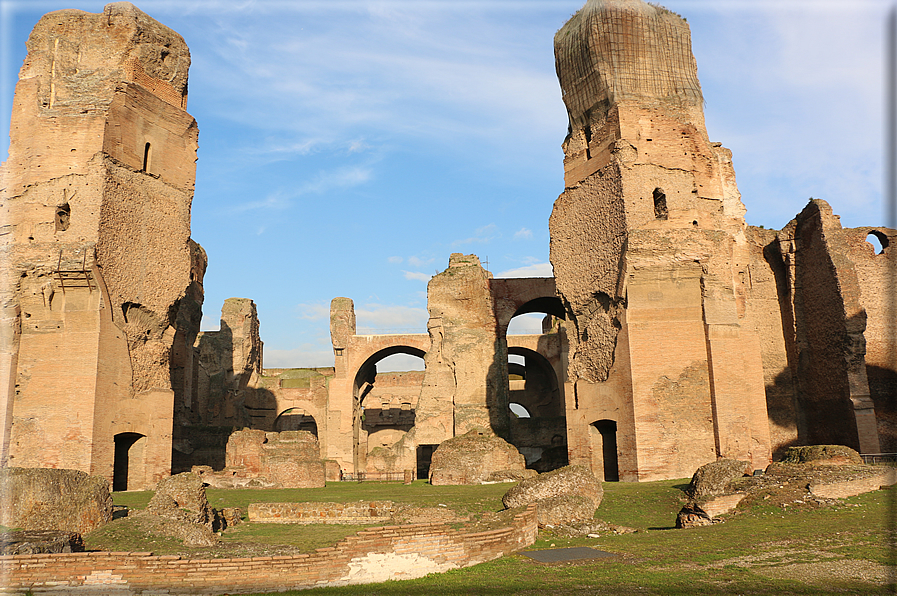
(102, 283)
(650, 257)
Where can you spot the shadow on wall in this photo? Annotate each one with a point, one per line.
(883, 390)
(497, 400)
(216, 402)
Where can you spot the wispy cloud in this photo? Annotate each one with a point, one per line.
(313, 312)
(392, 317)
(280, 199)
(395, 259)
(482, 235)
(419, 262)
(305, 356)
(523, 234)
(534, 270)
(417, 275)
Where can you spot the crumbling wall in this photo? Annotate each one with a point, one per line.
(877, 276)
(289, 459)
(829, 325)
(650, 255)
(97, 189)
(766, 287)
(466, 384)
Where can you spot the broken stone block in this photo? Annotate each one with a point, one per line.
(53, 499)
(472, 458)
(822, 455)
(714, 478)
(571, 493)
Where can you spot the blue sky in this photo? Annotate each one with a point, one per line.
(347, 147)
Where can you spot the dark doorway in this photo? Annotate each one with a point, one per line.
(121, 463)
(424, 457)
(608, 430)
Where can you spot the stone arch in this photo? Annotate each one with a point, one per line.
(533, 385)
(296, 418)
(129, 461)
(383, 414)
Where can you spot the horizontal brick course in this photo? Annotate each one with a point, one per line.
(433, 547)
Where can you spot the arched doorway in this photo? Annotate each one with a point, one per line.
(538, 421)
(386, 390)
(603, 439)
(538, 415)
(129, 462)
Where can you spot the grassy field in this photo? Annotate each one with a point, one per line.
(799, 549)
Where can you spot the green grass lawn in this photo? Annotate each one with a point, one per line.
(840, 549)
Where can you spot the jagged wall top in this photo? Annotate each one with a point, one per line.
(614, 50)
(80, 56)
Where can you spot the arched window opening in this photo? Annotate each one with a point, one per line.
(128, 460)
(296, 419)
(538, 424)
(878, 241)
(146, 157)
(519, 411)
(660, 204)
(588, 134)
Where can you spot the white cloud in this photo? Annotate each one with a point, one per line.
(395, 259)
(400, 363)
(313, 312)
(210, 323)
(481, 235)
(528, 324)
(418, 262)
(417, 275)
(534, 270)
(379, 318)
(523, 234)
(345, 177)
(305, 356)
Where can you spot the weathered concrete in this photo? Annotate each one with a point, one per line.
(44, 499)
(649, 253)
(100, 265)
(473, 458)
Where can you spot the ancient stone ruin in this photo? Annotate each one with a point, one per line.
(674, 333)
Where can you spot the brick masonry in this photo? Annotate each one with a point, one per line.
(321, 513)
(377, 554)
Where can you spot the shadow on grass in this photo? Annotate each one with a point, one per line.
(663, 528)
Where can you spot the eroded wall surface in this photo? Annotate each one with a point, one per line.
(830, 313)
(650, 255)
(98, 256)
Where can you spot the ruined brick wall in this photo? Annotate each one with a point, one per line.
(289, 459)
(97, 190)
(767, 290)
(374, 555)
(650, 256)
(321, 513)
(466, 367)
(877, 277)
(826, 305)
